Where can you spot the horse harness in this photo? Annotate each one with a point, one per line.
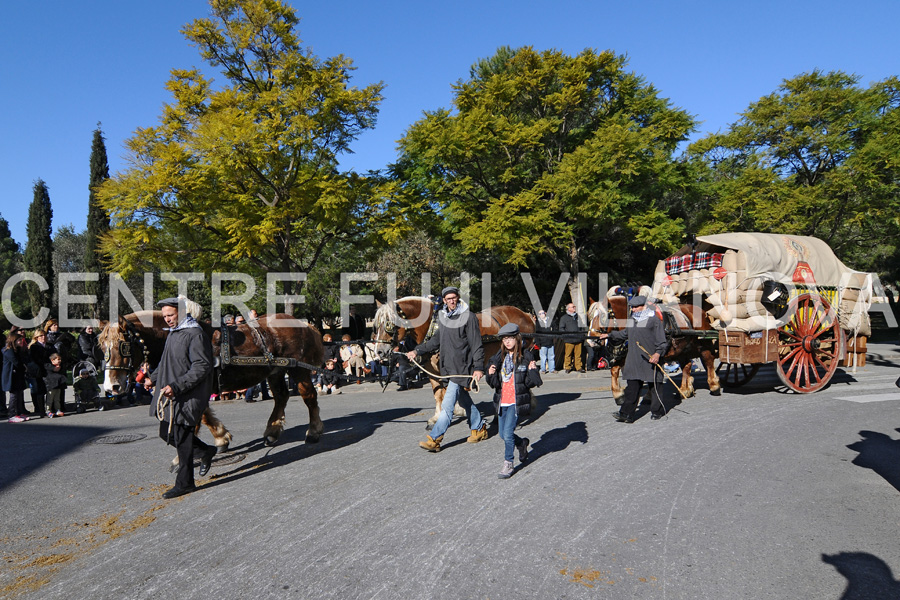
(266, 360)
(132, 340)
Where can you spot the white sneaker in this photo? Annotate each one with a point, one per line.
(507, 470)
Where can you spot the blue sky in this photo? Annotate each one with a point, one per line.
(68, 65)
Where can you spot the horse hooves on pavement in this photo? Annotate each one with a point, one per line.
(222, 449)
(718, 392)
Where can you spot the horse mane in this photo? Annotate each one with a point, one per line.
(387, 313)
(110, 334)
(595, 310)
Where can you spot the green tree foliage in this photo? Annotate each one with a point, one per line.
(97, 222)
(10, 264)
(39, 248)
(245, 175)
(820, 157)
(551, 157)
(69, 257)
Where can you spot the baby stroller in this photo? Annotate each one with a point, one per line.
(87, 390)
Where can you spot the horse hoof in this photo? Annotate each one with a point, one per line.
(717, 392)
(428, 426)
(270, 440)
(312, 439)
(173, 467)
(222, 449)
(620, 401)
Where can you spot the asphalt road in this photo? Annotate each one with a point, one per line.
(753, 494)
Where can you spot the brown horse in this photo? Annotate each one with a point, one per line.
(394, 319)
(128, 343)
(682, 348)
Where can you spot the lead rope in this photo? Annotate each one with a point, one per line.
(473, 386)
(161, 404)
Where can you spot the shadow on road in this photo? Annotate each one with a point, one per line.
(880, 453)
(556, 440)
(544, 402)
(29, 446)
(339, 432)
(868, 577)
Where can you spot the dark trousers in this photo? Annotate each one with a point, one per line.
(17, 403)
(633, 389)
(188, 446)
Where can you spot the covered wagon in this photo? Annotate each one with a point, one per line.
(773, 298)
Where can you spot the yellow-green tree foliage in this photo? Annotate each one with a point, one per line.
(821, 157)
(546, 155)
(243, 175)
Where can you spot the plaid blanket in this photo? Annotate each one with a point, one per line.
(689, 262)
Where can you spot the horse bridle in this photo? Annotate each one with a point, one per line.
(133, 338)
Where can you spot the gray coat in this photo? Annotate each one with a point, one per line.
(458, 339)
(649, 333)
(187, 366)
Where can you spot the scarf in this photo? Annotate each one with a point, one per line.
(461, 307)
(508, 367)
(187, 323)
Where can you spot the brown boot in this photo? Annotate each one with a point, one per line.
(431, 444)
(478, 434)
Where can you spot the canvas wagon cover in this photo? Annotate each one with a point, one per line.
(729, 269)
(778, 256)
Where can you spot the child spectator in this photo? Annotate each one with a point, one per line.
(512, 372)
(55, 380)
(86, 390)
(330, 378)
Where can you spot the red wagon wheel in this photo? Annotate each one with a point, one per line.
(732, 375)
(809, 344)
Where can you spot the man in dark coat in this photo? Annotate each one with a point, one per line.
(568, 323)
(458, 339)
(184, 383)
(646, 337)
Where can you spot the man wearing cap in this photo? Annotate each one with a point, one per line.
(458, 339)
(646, 337)
(183, 382)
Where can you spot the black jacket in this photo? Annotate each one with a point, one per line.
(569, 324)
(13, 378)
(332, 351)
(86, 343)
(458, 339)
(55, 380)
(650, 333)
(330, 377)
(545, 341)
(524, 378)
(187, 366)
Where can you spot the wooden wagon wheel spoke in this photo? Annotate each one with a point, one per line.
(791, 335)
(735, 375)
(808, 345)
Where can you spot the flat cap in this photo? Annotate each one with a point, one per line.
(173, 302)
(509, 329)
(637, 301)
(450, 289)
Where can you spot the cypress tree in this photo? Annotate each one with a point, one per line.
(97, 224)
(39, 248)
(10, 264)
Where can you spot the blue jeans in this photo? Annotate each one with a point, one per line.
(508, 419)
(455, 393)
(548, 357)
